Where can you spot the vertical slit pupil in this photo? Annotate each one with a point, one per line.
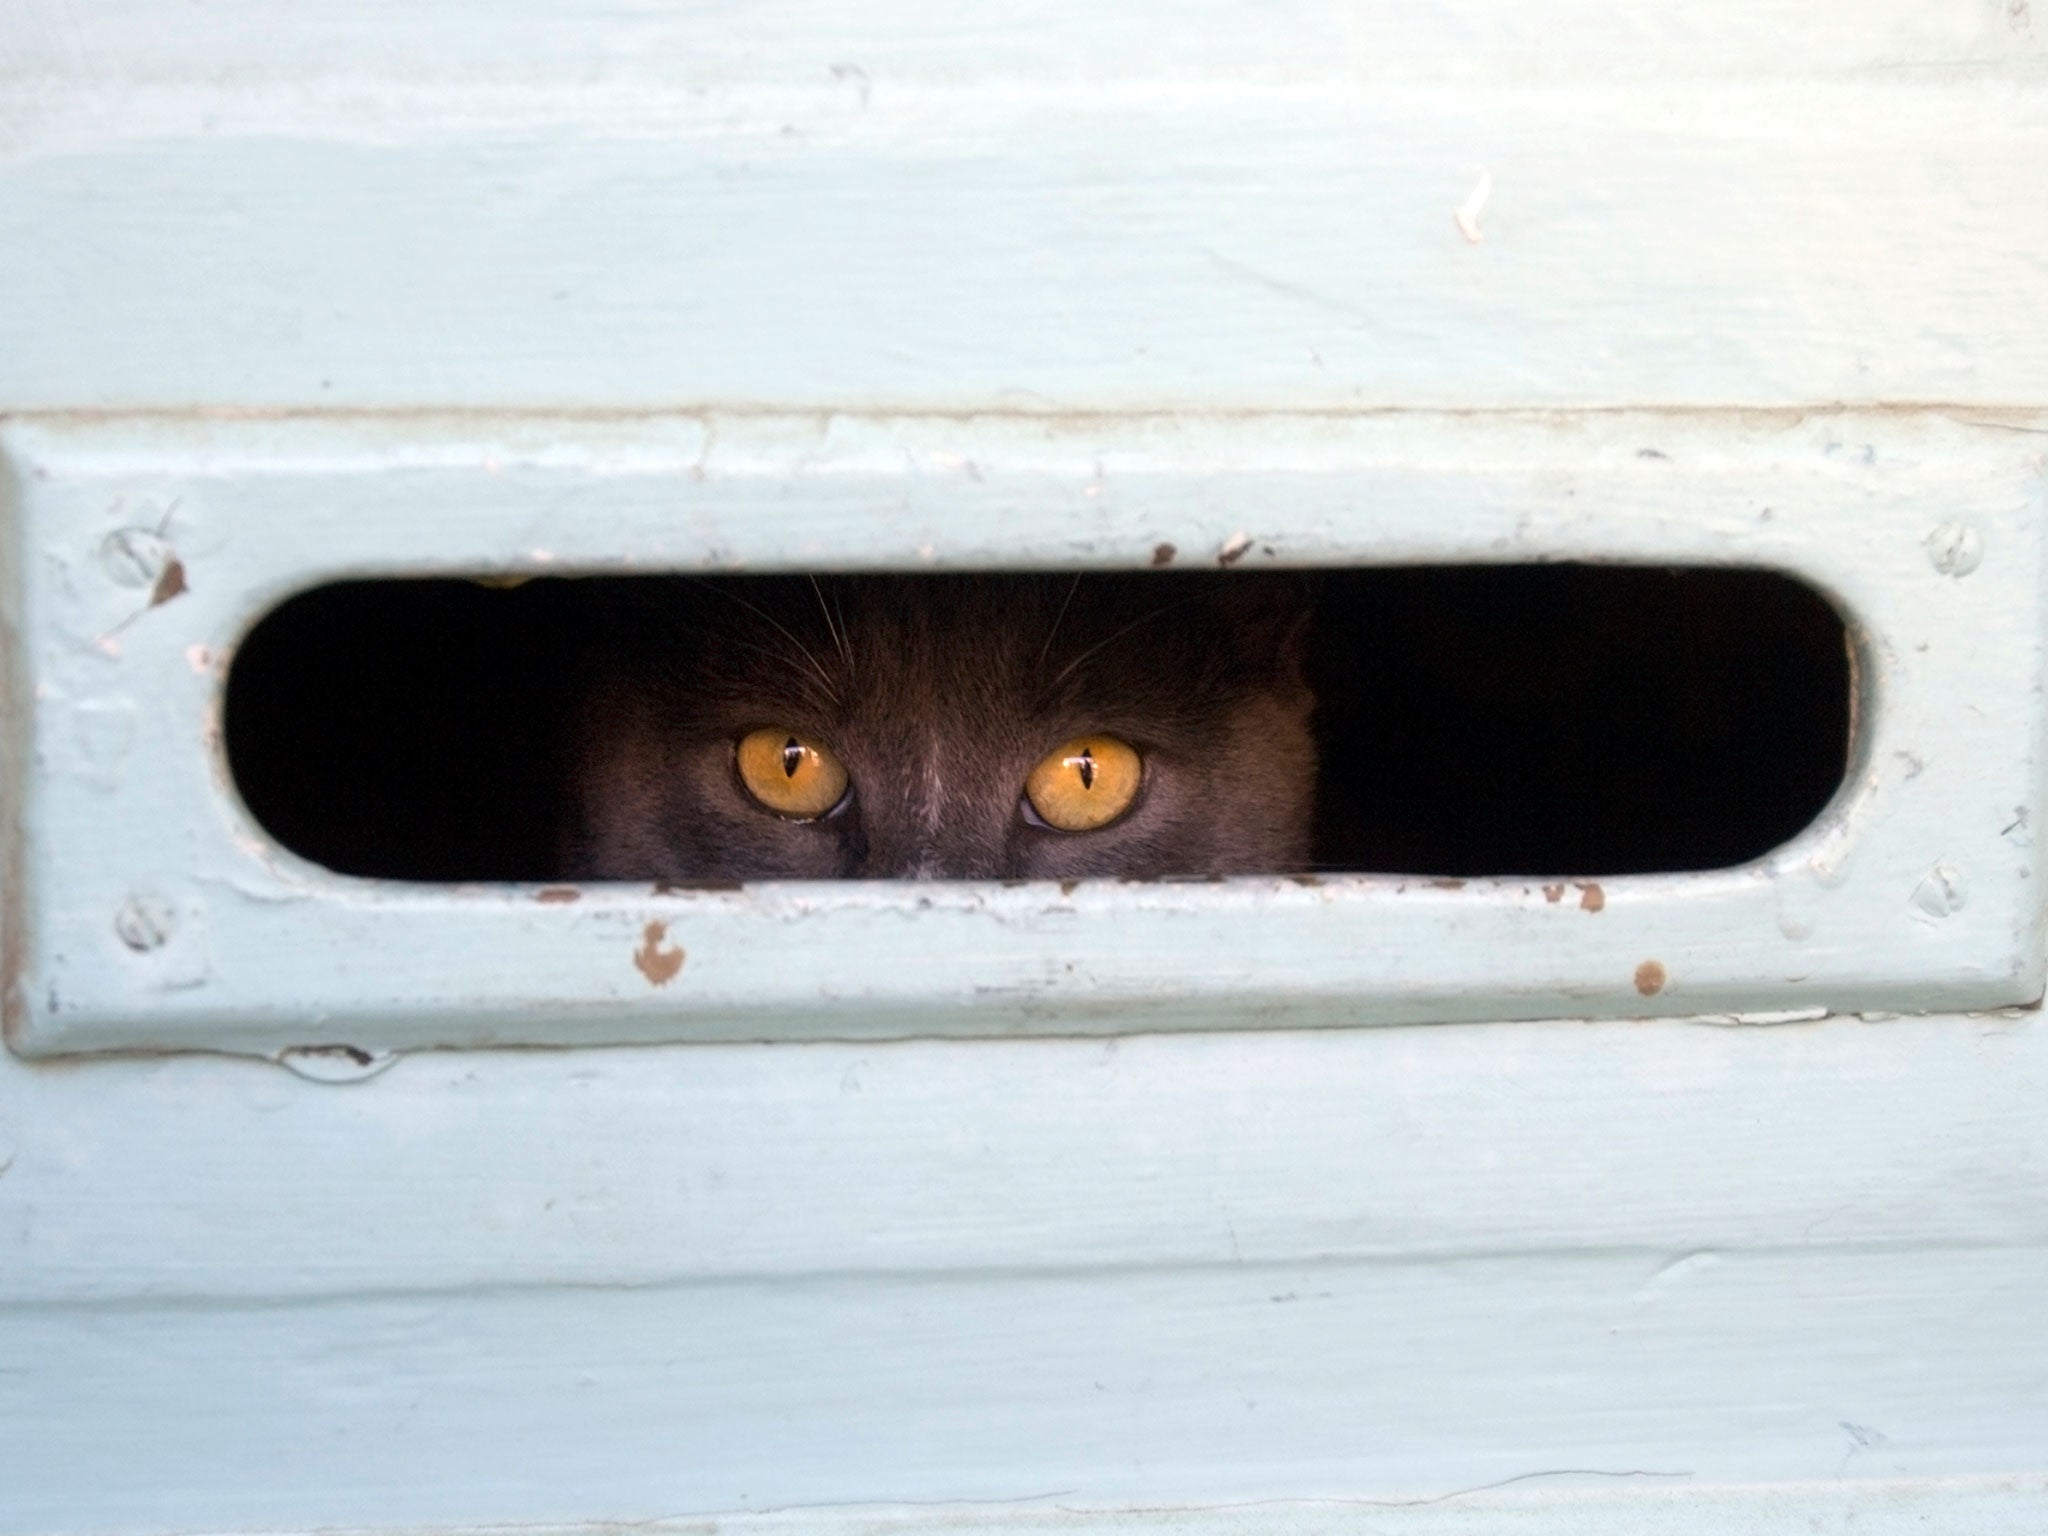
(792, 758)
(1086, 764)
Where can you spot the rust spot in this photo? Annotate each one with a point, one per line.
(558, 895)
(1448, 885)
(1591, 898)
(1067, 887)
(1650, 978)
(168, 585)
(657, 960)
(681, 887)
(1162, 554)
(1234, 549)
(1553, 894)
(1309, 880)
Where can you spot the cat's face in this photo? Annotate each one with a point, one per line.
(945, 728)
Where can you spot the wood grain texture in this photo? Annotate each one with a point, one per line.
(1164, 1270)
(496, 1287)
(1046, 211)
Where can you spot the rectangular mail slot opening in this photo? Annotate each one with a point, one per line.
(1470, 720)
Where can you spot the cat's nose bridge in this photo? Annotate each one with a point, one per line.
(929, 827)
(901, 848)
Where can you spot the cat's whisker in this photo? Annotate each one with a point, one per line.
(843, 630)
(1111, 639)
(781, 658)
(817, 667)
(1065, 603)
(838, 639)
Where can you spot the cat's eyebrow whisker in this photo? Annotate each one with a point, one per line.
(780, 658)
(817, 667)
(1111, 639)
(843, 630)
(838, 639)
(1065, 603)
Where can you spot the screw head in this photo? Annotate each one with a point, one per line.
(145, 923)
(1955, 549)
(135, 557)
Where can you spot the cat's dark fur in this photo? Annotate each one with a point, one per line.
(939, 694)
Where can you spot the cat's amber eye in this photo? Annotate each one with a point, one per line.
(1086, 784)
(789, 774)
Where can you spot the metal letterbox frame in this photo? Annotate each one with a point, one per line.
(154, 913)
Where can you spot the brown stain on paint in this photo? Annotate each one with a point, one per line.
(656, 959)
(558, 895)
(1162, 554)
(1591, 898)
(1553, 894)
(1448, 885)
(169, 584)
(1650, 978)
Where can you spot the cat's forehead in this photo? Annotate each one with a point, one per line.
(981, 654)
(1033, 621)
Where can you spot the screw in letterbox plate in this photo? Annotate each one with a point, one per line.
(1955, 549)
(145, 923)
(135, 557)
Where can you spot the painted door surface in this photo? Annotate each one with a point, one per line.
(1672, 1202)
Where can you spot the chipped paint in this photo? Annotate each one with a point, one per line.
(335, 1063)
(169, 585)
(1467, 215)
(656, 959)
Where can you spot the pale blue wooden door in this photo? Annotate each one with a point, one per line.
(1685, 1203)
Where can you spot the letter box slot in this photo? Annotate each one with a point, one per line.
(156, 911)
